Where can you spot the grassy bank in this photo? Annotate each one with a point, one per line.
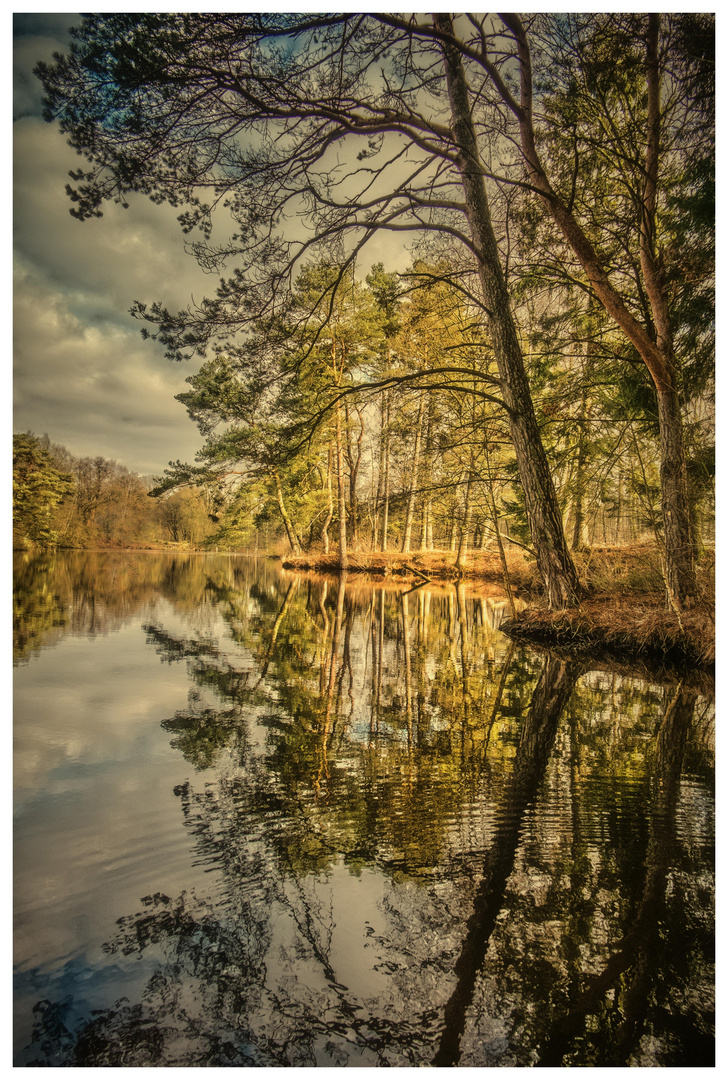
(639, 629)
(625, 613)
(480, 565)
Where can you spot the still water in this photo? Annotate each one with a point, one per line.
(270, 819)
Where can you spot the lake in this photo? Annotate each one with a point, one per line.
(272, 819)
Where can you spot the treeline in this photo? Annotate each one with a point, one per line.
(83, 502)
(370, 418)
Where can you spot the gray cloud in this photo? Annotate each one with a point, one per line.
(82, 372)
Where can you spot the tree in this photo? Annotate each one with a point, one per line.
(258, 115)
(272, 412)
(38, 491)
(184, 516)
(338, 334)
(613, 78)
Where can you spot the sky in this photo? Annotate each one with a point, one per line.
(82, 373)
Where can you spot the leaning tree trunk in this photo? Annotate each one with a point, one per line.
(329, 505)
(654, 344)
(288, 524)
(542, 509)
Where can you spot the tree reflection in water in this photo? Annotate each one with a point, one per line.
(434, 847)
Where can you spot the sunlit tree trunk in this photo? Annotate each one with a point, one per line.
(426, 543)
(329, 504)
(465, 525)
(380, 478)
(288, 524)
(340, 478)
(385, 496)
(354, 460)
(414, 466)
(544, 516)
(452, 542)
(341, 488)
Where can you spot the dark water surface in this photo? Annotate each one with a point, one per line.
(271, 819)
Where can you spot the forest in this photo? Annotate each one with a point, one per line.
(63, 501)
(539, 381)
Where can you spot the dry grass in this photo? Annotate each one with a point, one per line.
(626, 611)
(480, 565)
(620, 626)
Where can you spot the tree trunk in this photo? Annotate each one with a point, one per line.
(465, 527)
(425, 478)
(354, 463)
(290, 530)
(679, 548)
(580, 479)
(380, 477)
(657, 355)
(330, 505)
(385, 496)
(425, 544)
(499, 538)
(542, 510)
(407, 538)
(343, 558)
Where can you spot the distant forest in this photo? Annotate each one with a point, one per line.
(84, 502)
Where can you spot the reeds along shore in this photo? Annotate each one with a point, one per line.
(625, 612)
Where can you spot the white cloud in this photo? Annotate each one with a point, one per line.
(95, 388)
(83, 374)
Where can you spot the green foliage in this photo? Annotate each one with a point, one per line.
(345, 124)
(39, 490)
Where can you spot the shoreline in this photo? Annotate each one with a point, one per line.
(624, 616)
(628, 621)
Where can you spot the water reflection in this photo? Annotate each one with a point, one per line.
(424, 845)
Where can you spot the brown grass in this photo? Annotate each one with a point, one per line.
(643, 629)
(480, 565)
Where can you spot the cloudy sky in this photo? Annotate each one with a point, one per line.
(82, 372)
